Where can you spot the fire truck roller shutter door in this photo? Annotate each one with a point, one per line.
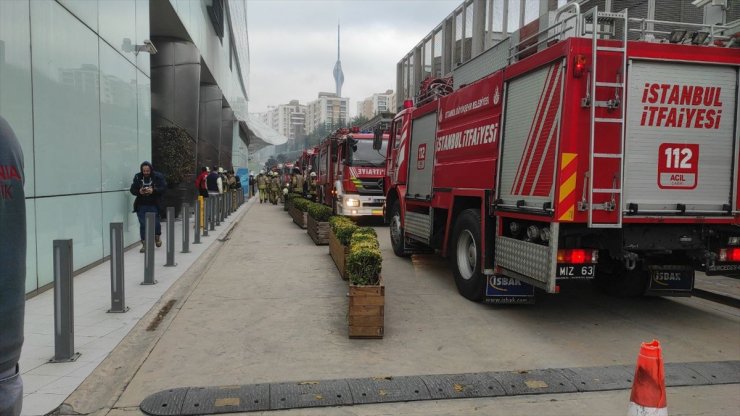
(680, 136)
(421, 160)
(530, 136)
(465, 255)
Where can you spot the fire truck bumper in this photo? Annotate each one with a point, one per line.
(360, 206)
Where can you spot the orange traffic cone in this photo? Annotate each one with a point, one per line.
(648, 388)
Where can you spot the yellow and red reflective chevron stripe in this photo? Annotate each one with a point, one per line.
(567, 193)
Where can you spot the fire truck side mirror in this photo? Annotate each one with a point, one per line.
(377, 139)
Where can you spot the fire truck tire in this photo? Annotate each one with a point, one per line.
(398, 241)
(465, 256)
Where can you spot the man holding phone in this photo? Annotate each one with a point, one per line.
(148, 186)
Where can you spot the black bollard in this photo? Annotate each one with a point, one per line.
(117, 293)
(196, 233)
(149, 249)
(170, 237)
(64, 332)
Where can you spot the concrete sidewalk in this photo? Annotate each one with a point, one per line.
(269, 306)
(97, 333)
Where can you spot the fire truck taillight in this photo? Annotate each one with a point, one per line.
(408, 103)
(579, 65)
(578, 256)
(729, 254)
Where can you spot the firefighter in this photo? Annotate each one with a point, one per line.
(274, 188)
(297, 182)
(312, 191)
(262, 180)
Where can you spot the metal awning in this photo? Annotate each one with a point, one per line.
(259, 134)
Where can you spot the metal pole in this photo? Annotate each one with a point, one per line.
(212, 212)
(223, 208)
(217, 212)
(117, 294)
(149, 249)
(186, 228)
(170, 237)
(196, 235)
(64, 334)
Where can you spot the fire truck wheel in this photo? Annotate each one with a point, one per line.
(465, 256)
(397, 240)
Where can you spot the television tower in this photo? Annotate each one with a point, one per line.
(338, 74)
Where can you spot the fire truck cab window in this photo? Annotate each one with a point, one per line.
(363, 154)
(397, 133)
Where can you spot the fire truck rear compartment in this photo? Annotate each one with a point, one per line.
(681, 139)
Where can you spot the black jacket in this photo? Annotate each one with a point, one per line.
(155, 180)
(12, 247)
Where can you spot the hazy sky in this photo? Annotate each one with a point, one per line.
(293, 45)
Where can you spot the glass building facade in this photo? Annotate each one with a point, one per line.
(78, 94)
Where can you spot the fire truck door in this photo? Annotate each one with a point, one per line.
(421, 160)
(681, 138)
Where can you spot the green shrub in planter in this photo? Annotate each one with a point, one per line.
(367, 230)
(363, 239)
(364, 260)
(319, 212)
(301, 204)
(292, 196)
(343, 228)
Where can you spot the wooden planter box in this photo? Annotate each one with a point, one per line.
(299, 217)
(366, 311)
(319, 231)
(339, 254)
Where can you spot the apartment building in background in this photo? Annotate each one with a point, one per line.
(377, 103)
(327, 110)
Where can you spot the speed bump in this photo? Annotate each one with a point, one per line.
(388, 389)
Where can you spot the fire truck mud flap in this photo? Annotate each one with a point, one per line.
(502, 290)
(670, 280)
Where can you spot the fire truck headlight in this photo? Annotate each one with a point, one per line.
(533, 233)
(733, 241)
(352, 202)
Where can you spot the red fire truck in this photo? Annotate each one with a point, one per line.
(350, 172)
(579, 158)
(307, 160)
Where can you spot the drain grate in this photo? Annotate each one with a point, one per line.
(319, 393)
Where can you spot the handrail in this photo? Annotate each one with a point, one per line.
(558, 23)
(565, 7)
(643, 30)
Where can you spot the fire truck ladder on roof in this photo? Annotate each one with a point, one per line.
(598, 20)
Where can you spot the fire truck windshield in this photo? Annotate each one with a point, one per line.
(363, 154)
